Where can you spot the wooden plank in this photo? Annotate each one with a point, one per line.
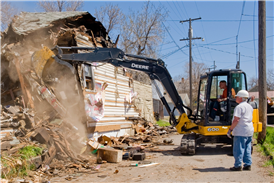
(110, 77)
(110, 155)
(26, 92)
(103, 128)
(97, 79)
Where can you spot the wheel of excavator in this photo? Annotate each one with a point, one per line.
(188, 144)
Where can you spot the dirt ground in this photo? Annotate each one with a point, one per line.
(210, 164)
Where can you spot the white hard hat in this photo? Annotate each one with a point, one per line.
(242, 93)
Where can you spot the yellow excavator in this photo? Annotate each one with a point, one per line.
(198, 128)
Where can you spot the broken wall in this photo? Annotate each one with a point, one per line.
(144, 101)
(29, 32)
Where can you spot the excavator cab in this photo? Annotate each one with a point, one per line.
(221, 84)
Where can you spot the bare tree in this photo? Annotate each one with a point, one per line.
(7, 13)
(143, 31)
(111, 17)
(253, 81)
(270, 79)
(51, 6)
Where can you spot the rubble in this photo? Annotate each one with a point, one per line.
(64, 152)
(35, 111)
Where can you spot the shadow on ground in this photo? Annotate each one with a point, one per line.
(215, 169)
(201, 150)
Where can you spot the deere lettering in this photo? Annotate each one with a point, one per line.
(139, 66)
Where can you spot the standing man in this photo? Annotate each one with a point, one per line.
(242, 130)
(253, 103)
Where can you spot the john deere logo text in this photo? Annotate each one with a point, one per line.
(139, 66)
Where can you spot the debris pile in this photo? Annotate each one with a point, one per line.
(47, 105)
(63, 150)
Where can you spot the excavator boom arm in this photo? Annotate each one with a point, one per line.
(154, 68)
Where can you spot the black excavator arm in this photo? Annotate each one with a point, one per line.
(155, 68)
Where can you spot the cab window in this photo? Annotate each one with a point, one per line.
(216, 91)
(202, 96)
(238, 81)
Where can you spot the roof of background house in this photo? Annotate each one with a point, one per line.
(256, 94)
(254, 89)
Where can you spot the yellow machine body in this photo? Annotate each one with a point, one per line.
(212, 130)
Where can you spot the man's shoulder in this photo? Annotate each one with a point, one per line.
(246, 105)
(242, 104)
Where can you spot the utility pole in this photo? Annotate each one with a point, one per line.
(262, 69)
(190, 38)
(238, 62)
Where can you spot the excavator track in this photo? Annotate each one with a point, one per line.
(188, 144)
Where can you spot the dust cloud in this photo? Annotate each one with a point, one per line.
(58, 78)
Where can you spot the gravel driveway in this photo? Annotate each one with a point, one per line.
(210, 164)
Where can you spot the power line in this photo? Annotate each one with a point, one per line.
(177, 9)
(203, 32)
(184, 9)
(172, 52)
(234, 53)
(241, 17)
(221, 40)
(238, 61)
(257, 15)
(239, 42)
(226, 51)
(254, 40)
(172, 20)
(173, 39)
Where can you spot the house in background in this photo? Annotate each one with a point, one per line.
(185, 100)
(158, 107)
(255, 91)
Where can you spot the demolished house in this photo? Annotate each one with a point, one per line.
(95, 98)
(68, 116)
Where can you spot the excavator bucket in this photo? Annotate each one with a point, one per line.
(40, 59)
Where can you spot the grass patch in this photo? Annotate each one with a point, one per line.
(163, 123)
(267, 148)
(30, 151)
(18, 164)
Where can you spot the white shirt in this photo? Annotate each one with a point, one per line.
(244, 127)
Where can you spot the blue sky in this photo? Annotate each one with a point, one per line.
(221, 22)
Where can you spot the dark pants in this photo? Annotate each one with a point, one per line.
(214, 106)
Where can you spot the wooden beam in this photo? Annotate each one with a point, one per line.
(26, 93)
(103, 128)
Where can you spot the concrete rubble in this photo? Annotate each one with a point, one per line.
(35, 111)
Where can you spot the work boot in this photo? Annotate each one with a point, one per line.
(236, 168)
(210, 119)
(248, 167)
